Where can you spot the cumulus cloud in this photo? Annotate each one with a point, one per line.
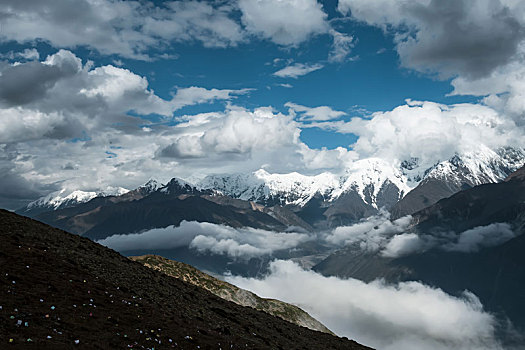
(287, 22)
(24, 83)
(503, 89)
(482, 236)
(324, 158)
(242, 243)
(468, 37)
(429, 131)
(234, 140)
(480, 44)
(128, 28)
(60, 97)
(408, 315)
(238, 131)
(321, 113)
(297, 69)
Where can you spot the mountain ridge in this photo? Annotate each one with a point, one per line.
(329, 200)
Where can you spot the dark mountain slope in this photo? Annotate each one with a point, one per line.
(57, 288)
(137, 211)
(156, 210)
(457, 174)
(478, 206)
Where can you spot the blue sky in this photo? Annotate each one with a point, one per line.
(371, 79)
(188, 88)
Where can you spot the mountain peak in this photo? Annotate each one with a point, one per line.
(151, 185)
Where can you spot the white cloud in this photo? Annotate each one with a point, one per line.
(238, 131)
(482, 236)
(128, 28)
(370, 234)
(404, 244)
(341, 47)
(297, 69)
(429, 131)
(321, 113)
(504, 89)
(408, 315)
(394, 239)
(196, 95)
(242, 243)
(59, 97)
(19, 125)
(285, 22)
(337, 158)
(27, 54)
(234, 140)
(480, 44)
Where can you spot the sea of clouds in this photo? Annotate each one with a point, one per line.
(407, 315)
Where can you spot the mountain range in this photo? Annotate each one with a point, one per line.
(274, 201)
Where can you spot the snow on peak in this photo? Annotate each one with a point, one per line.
(151, 186)
(64, 198)
(479, 167)
(297, 189)
(292, 188)
(369, 176)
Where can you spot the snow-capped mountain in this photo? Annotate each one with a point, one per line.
(263, 187)
(365, 187)
(365, 177)
(369, 185)
(328, 199)
(64, 199)
(457, 173)
(151, 186)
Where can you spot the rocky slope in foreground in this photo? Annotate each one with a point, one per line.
(227, 291)
(58, 289)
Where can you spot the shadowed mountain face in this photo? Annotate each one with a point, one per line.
(105, 216)
(495, 274)
(59, 289)
(458, 174)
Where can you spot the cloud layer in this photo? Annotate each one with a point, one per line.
(409, 315)
(205, 237)
(394, 239)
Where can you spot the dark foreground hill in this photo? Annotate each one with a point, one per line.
(58, 290)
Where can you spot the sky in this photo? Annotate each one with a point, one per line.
(100, 93)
